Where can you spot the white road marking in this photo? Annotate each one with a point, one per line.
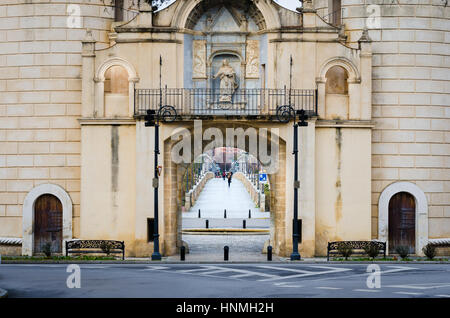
(421, 286)
(331, 288)
(202, 268)
(286, 284)
(311, 273)
(409, 293)
(155, 268)
(285, 269)
(447, 296)
(367, 290)
(396, 269)
(216, 271)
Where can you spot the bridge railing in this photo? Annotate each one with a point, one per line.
(217, 102)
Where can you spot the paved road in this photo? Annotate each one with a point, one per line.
(227, 280)
(209, 248)
(217, 196)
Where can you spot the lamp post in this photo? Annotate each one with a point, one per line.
(167, 113)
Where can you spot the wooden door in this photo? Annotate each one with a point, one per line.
(402, 222)
(47, 223)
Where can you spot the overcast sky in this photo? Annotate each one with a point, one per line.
(290, 4)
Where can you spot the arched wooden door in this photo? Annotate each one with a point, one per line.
(402, 221)
(47, 223)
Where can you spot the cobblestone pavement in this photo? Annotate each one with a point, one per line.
(210, 247)
(217, 196)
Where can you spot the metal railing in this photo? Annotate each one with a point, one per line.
(216, 102)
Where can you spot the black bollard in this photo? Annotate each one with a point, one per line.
(182, 253)
(199, 215)
(249, 213)
(225, 213)
(269, 253)
(226, 250)
(244, 224)
(207, 224)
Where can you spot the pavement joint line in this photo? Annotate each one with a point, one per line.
(408, 293)
(367, 290)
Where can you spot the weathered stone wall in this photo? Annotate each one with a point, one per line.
(40, 84)
(410, 100)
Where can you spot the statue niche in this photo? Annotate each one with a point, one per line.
(228, 83)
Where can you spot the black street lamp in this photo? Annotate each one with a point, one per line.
(166, 113)
(284, 114)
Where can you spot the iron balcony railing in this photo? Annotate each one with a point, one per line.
(216, 102)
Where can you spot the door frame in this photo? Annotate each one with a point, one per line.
(421, 232)
(28, 215)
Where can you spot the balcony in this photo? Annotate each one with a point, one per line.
(191, 103)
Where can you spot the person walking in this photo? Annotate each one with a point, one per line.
(229, 179)
(223, 176)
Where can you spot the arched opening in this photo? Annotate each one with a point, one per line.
(336, 93)
(270, 152)
(402, 222)
(336, 80)
(224, 205)
(116, 91)
(48, 224)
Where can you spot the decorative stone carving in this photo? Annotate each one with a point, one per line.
(199, 59)
(228, 83)
(252, 69)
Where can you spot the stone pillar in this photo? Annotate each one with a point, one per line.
(87, 83)
(321, 97)
(354, 98)
(366, 75)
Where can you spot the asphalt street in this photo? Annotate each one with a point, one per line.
(228, 280)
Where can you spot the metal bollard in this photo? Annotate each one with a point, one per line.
(199, 215)
(269, 253)
(226, 251)
(207, 224)
(182, 253)
(225, 213)
(249, 213)
(244, 224)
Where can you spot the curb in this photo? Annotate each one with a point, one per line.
(3, 293)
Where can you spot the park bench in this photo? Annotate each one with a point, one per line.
(357, 247)
(95, 246)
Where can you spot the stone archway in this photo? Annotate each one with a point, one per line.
(421, 205)
(28, 214)
(173, 176)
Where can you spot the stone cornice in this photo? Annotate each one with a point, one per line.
(84, 121)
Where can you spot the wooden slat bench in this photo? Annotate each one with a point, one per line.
(95, 246)
(357, 247)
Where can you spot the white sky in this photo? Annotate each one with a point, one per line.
(289, 4)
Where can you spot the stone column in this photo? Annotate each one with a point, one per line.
(366, 75)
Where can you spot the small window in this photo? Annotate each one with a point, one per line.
(150, 229)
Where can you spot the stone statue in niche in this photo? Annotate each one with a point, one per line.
(228, 82)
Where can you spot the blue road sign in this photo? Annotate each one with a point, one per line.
(263, 177)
